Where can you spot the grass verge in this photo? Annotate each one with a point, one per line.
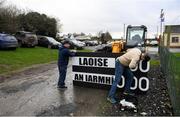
(155, 62)
(12, 60)
(23, 57)
(177, 54)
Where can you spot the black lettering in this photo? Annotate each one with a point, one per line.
(78, 77)
(85, 61)
(95, 79)
(90, 78)
(101, 79)
(95, 62)
(100, 62)
(80, 62)
(90, 61)
(106, 62)
(81, 77)
(86, 77)
(108, 80)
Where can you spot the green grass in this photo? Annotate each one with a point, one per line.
(155, 62)
(84, 50)
(23, 57)
(11, 60)
(177, 54)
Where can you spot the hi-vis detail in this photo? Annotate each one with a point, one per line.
(97, 70)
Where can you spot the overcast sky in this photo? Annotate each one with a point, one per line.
(91, 16)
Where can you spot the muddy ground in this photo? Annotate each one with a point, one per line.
(34, 92)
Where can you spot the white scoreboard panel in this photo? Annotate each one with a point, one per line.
(97, 70)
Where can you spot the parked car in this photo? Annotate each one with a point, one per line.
(95, 42)
(8, 41)
(49, 42)
(26, 39)
(91, 43)
(76, 44)
(104, 48)
(154, 43)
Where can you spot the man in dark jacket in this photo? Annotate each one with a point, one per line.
(63, 60)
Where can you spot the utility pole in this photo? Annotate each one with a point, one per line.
(157, 31)
(162, 20)
(124, 31)
(161, 28)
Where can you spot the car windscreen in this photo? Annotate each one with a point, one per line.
(30, 34)
(51, 39)
(8, 38)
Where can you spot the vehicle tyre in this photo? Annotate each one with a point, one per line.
(33, 45)
(79, 48)
(49, 46)
(14, 48)
(29, 46)
(20, 44)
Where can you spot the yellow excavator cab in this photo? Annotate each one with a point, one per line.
(117, 46)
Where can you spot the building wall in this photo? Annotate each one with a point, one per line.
(165, 39)
(175, 44)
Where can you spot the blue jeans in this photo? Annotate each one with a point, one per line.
(119, 71)
(62, 75)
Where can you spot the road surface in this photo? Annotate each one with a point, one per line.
(34, 92)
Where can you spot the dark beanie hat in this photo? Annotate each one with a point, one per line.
(147, 57)
(65, 42)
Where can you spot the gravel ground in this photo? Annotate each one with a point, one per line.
(155, 102)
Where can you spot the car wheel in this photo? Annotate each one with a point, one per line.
(20, 44)
(14, 48)
(49, 46)
(29, 46)
(79, 48)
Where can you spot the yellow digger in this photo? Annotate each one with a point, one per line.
(135, 37)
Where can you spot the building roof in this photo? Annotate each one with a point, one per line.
(172, 29)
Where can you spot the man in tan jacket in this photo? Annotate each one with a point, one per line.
(122, 67)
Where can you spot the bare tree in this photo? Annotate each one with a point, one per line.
(104, 37)
(8, 19)
(59, 24)
(13, 19)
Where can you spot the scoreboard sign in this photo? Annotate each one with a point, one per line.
(98, 70)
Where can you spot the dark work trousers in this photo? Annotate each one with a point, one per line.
(119, 71)
(62, 75)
